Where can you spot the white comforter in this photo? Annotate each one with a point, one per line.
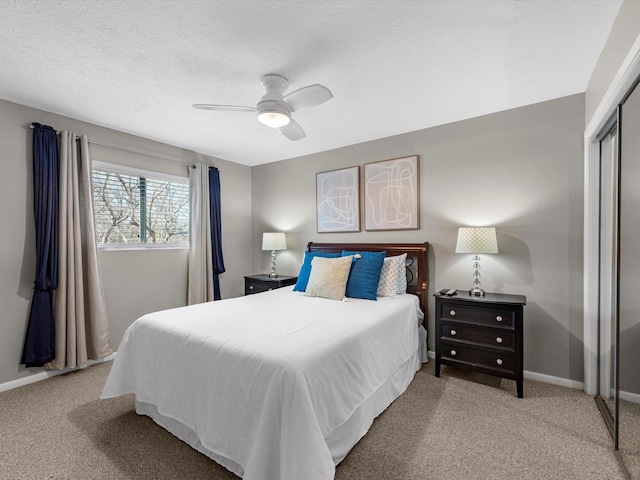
(262, 380)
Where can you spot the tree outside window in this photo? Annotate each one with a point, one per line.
(131, 209)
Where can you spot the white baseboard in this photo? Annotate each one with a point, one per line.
(48, 374)
(541, 377)
(563, 382)
(624, 395)
(629, 397)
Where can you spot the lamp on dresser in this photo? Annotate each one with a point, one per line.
(476, 240)
(273, 241)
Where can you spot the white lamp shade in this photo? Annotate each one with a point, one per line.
(274, 241)
(477, 240)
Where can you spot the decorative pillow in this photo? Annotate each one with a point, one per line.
(365, 274)
(391, 275)
(402, 275)
(305, 269)
(328, 278)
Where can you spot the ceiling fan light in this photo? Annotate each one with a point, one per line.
(273, 119)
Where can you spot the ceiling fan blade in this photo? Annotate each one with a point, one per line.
(309, 96)
(223, 108)
(293, 131)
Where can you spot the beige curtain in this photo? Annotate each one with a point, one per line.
(80, 314)
(200, 287)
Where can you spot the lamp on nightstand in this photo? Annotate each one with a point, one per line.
(273, 241)
(477, 240)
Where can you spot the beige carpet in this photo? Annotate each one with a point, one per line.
(629, 439)
(460, 426)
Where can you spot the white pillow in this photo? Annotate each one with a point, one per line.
(402, 275)
(328, 278)
(393, 277)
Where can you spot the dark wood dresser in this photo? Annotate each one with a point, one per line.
(262, 283)
(483, 334)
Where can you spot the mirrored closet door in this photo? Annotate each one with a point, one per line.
(608, 276)
(629, 287)
(619, 314)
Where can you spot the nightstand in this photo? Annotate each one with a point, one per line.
(483, 334)
(262, 283)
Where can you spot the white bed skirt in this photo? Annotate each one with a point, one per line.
(341, 440)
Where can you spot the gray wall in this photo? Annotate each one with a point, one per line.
(135, 282)
(520, 171)
(624, 32)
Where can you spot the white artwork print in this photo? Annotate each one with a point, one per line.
(337, 199)
(391, 194)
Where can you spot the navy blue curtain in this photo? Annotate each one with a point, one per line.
(39, 340)
(216, 229)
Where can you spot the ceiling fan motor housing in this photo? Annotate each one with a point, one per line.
(272, 103)
(273, 83)
(269, 105)
(273, 100)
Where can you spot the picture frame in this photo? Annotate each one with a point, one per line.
(392, 194)
(338, 200)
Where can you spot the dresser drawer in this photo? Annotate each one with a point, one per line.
(498, 317)
(262, 283)
(478, 357)
(470, 333)
(255, 286)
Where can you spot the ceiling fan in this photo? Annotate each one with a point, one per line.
(275, 108)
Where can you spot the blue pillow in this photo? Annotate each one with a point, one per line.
(365, 274)
(305, 269)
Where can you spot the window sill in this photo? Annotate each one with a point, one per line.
(105, 247)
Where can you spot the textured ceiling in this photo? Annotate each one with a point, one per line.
(393, 66)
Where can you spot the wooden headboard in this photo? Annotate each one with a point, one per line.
(417, 262)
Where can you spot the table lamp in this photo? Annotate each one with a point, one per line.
(273, 241)
(476, 240)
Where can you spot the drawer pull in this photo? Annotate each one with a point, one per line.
(453, 353)
(499, 339)
(453, 333)
(499, 318)
(499, 361)
(452, 313)
(250, 287)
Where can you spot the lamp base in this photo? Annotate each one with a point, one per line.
(273, 273)
(476, 292)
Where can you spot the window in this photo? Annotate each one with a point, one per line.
(136, 208)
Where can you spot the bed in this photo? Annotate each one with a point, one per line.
(277, 385)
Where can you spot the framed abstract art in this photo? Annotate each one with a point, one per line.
(391, 194)
(338, 200)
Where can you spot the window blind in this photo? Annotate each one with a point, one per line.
(139, 209)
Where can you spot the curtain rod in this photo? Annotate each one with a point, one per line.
(31, 125)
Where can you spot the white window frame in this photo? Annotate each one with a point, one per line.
(140, 172)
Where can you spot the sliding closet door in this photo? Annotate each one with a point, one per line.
(629, 287)
(608, 273)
